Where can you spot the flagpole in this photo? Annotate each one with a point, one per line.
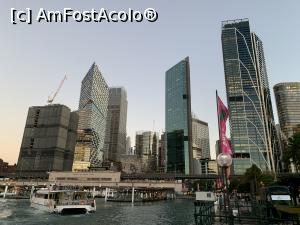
(223, 175)
(218, 121)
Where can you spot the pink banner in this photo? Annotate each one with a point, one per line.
(223, 114)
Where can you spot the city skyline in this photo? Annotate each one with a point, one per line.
(63, 56)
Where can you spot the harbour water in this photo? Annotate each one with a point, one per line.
(175, 212)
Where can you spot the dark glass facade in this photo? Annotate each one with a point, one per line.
(248, 97)
(178, 118)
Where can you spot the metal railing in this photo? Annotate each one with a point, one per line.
(240, 212)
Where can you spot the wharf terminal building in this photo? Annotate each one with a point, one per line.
(252, 127)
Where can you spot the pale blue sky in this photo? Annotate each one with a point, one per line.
(34, 58)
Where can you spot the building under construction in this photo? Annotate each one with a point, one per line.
(48, 141)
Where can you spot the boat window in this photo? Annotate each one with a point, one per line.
(93, 179)
(77, 197)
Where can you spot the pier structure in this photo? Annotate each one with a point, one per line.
(148, 184)
(139, 194)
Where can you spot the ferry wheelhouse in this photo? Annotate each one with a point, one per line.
(63, 201)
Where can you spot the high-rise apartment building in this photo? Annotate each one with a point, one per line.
(48, 141)
(178, 118)
(287, 97)
(115, 137)
(92, 120)
(200, 137)
(252, 127)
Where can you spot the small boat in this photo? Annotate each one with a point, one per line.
(63, 201)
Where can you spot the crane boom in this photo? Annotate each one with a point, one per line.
(51, 98)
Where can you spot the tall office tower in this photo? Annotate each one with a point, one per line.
(178, 118)
(92, 120)
(147, 148)
(115, 137)
(138, 143)
(146, 142)
(252, 127)
(287, 97)
(48, 141)
(200, 137)
(161, 153)
(128, 146)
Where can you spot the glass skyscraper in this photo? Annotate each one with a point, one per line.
(288, 106)
(252, 127)
(92, 119)
(178, 118)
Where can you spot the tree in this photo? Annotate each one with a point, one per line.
(255, 179)
(292, 151)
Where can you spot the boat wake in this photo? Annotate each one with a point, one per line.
(5, 213)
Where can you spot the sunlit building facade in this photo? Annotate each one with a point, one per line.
(200, 134)
(147, 144)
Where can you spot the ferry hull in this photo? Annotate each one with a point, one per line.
(50, 206)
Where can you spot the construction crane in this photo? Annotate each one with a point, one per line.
(51, 98)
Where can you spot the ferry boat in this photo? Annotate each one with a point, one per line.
(63, 201)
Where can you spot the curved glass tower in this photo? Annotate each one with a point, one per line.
(252, 127)
(288, 106)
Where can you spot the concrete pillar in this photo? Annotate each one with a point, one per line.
(5, 191)
(132, 195)
(106, 192)
(31, 192)
(94, 190)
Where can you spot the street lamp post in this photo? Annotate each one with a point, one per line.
(224, 160)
